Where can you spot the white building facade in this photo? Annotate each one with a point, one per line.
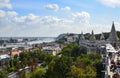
(94, 45)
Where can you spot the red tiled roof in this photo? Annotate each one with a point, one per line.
(13, 53)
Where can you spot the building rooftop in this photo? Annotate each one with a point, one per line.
(110, 48)
(4, 56)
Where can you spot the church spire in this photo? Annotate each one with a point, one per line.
(113, 35)
(82, 36)
(92, 38)
(102, 37)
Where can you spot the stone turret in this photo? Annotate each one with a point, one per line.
(92, 38)
(93, 45)
(102, 37)
(113, 38)
(113, 34)
(82, 37)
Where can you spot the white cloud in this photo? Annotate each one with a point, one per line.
(67, 8)
(31, 18)
(12, 13)
(2, 13)
(7, 14)
(5, 4)
(111, 3)
(81, 17)
(53, 7)
(32, 25)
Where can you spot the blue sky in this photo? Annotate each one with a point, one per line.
(53, 17)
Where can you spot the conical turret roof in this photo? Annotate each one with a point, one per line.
(92, 38)
(102, 37)
(82, 36)
(113, 35)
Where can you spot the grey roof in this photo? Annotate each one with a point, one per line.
(102, 37)
(92, 38)
(4, 56)
(110, 48)
(113, 35)
(82, 36)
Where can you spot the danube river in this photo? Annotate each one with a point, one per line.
(37, 41)
(47, 39)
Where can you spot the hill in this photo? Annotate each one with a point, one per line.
(63, 37)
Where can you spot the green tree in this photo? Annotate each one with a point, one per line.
(59, 67)
(48, 58)
(15, 56)
(92, 63)
(72, 50)
(24, 62)
(16, 63)
(87, 72)
(3, 74)
(39, 54)
(50, 71)
(12, 67)
(75, 72)
(38, 73)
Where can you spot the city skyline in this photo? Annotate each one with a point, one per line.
(53, 17)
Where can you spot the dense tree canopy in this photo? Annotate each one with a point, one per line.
(72, 50)
(38, 73)
(3, 74)
(71, 62)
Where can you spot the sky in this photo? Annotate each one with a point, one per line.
(49, 18)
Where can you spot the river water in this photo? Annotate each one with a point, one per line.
(42, 40)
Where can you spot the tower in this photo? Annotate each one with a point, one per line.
(82, 36)
(113, 38)
(92, 38)
(82, 39)
(102, 37)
